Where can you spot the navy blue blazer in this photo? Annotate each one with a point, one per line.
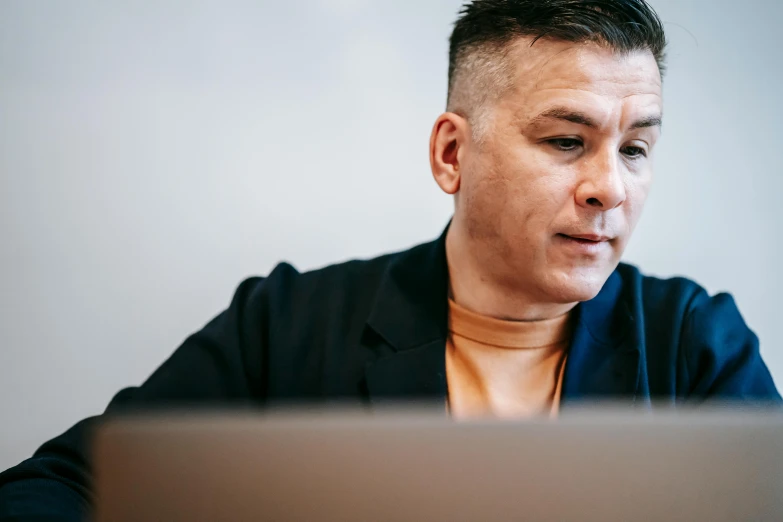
(374, 331)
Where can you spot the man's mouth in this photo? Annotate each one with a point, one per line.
(585, 244)
(586, 238)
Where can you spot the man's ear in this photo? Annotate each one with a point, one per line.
(447, 141)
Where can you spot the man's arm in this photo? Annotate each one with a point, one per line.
(219, 365)
(721, 354)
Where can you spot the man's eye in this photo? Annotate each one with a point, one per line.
(634, 152)
(565, 144)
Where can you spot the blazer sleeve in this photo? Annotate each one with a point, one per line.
(220, 365)
(721, 354)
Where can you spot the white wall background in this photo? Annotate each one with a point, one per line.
(154, 153)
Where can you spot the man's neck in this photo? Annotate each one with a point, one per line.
(478, 291)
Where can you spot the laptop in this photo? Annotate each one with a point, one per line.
(414, 465)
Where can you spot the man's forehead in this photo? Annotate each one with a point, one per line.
(558, 65)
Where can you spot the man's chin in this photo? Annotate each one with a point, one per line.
(578, 286)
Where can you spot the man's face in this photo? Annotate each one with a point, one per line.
(550, 195)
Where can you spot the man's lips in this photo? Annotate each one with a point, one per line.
(587, 238)
(585, 244)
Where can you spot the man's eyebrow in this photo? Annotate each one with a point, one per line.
(580, 118)
(650, 121)
(560, 113)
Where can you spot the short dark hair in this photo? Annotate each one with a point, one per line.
(488, 26)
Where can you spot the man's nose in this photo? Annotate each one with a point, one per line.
(602, 185)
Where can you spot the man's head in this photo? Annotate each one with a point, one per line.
(554, 107)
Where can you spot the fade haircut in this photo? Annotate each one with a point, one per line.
(479, 69)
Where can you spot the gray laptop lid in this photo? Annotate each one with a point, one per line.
(414, 466)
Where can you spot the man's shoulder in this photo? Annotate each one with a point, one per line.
(681, 298)
(695, 345)
(680, 312)
(659, 294)
(350, 284)
(344, 274)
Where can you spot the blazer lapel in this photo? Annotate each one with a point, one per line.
(603, 360)
(410, 315)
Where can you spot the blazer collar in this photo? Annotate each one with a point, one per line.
(411, 306)
(410, 313)
(603, 359)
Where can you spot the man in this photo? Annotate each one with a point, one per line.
(521, 307)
